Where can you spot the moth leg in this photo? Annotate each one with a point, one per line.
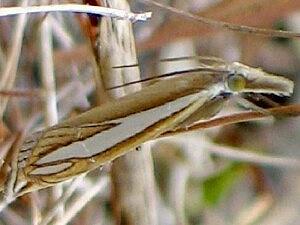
(249, 105)
(208, 110)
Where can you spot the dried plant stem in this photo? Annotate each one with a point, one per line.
(236, 154)
(35, 210)
(20, 93)
(132, 174)
(177, 190)
(2, 59)
(10, 188)
(59, 31)
(62, 200)
(12, 217)
(48, 80)
(5, 203)
(225, 25)
(82, 200)
(78, 8)
(47, 72)
(251, 214)
(5, 146)
(10, 71)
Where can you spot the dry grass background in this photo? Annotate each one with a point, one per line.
(238, 173)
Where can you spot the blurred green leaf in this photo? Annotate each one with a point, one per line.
(217, 188)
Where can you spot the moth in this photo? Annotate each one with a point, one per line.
(100, 135)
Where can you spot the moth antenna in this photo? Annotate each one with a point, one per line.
(125, 66)
(182, 72)
(200, 58)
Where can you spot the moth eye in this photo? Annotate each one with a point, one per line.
(236, 82)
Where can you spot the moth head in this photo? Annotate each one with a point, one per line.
(244, 79)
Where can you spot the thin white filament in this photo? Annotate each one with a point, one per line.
(97, 10)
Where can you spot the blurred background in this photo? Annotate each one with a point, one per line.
(244, 173)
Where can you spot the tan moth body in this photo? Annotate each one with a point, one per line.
(104, 133)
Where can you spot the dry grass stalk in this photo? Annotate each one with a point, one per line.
(49, 88)
(109, 12)
(132, 175)
(10, 71)
(235, 12)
